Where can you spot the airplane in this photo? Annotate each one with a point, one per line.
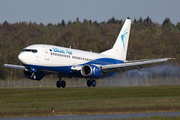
(39, 60)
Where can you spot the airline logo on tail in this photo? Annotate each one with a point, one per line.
(123, 37)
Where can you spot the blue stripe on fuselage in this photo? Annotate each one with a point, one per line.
(104, 61)
(66, 70)
(63, 70)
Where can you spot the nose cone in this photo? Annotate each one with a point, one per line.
(22, 58)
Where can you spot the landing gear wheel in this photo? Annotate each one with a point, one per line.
(58, 84)
(34, 77)
(94, 83)
(63, 84)
(89, 83)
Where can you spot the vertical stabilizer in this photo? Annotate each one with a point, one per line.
(119, 50)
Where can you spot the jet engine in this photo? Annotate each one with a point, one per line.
(91, 71)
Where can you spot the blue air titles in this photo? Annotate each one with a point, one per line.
(62, 51)
(68, 52)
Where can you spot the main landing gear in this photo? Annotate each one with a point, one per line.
(91, 83)
(60, 83)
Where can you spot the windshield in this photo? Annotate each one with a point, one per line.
(30, 50)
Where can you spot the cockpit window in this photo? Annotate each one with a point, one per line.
(30, 50)
(34, 51)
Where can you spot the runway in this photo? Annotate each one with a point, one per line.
(92, 117)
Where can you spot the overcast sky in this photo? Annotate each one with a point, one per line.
(53, 11)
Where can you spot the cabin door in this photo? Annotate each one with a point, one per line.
(46, 55)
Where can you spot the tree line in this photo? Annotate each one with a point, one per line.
(147, 39)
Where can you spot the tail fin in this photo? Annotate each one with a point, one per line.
(119, 50)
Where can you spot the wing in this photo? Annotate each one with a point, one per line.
(131, 65)
(14, 66)
(23, 67)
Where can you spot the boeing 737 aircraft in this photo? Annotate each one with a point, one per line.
(39, 60)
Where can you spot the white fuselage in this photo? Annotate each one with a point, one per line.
(61, 59)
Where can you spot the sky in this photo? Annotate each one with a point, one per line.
(53, 11)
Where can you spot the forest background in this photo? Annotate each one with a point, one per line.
(147, 39)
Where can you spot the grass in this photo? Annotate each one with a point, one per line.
(16, 102)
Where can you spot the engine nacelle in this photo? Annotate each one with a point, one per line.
(33, 75)
(91, 71)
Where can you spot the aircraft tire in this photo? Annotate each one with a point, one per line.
(94, 83)
(89, 83)
(63, 84)
(34, 77)
(58, 84)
